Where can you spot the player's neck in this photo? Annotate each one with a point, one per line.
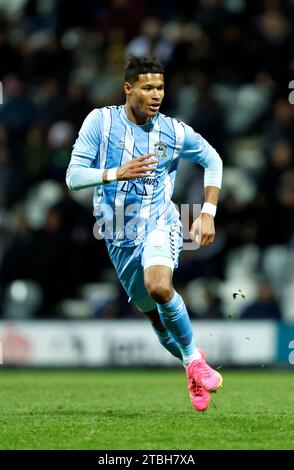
(134, 118)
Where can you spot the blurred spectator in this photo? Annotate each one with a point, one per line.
(151, 41)
(265, 307)
(280, 125)
(60, 139)
(12, 178)
(277, 219)
(126, 14)
(18, 112)
(36, 154)
(77, 105)
(9, 54)
(281, 160)
(213, 309)
(50, 102)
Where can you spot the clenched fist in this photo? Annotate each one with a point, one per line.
(202, 230)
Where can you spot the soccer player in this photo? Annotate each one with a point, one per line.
(130, 154)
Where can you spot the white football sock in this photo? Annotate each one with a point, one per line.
(187, 359)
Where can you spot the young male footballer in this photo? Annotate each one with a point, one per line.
(130, 154)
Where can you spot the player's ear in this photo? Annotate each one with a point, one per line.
(127, 88)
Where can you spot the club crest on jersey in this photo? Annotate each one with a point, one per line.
(121, 144)
(160, 150)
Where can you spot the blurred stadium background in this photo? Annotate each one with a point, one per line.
(228, 68)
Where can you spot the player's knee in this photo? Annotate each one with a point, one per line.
(161, 292)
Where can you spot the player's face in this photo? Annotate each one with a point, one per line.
(144, 96)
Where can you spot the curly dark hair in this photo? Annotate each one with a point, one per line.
(139, 65)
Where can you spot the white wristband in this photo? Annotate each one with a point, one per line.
(208, 208)
(111, 174)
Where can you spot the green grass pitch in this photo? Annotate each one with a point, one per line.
(143, 410)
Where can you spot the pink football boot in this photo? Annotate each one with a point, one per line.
(202, 379)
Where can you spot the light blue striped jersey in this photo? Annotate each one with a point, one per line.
(130, 209)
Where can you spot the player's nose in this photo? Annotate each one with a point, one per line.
(156, 95)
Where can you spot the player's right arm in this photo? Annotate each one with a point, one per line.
(81, 173)
(136, 168)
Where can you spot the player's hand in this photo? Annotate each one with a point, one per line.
(202, 230)
(137, 167)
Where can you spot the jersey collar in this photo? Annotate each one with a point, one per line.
(145, 127)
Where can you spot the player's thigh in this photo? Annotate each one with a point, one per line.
(162, 247)
(128, 265)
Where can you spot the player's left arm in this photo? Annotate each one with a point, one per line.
(203, 229)
(198, 150)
